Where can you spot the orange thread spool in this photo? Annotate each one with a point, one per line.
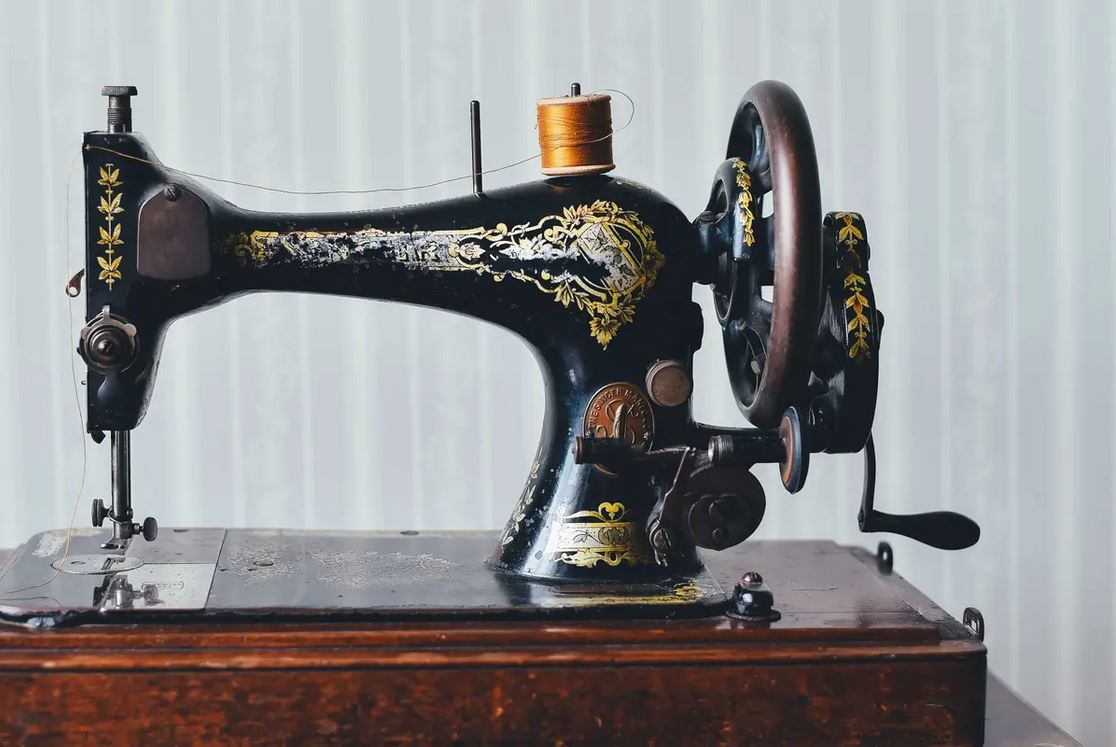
(575, 135)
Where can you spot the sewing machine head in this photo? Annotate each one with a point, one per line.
(596, 274)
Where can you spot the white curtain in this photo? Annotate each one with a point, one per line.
(977, 139)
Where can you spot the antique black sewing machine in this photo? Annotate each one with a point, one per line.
(596, 274)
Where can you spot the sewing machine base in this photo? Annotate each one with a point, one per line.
(219, 575)
(859, 656)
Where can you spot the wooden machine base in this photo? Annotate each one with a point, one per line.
(858, 657)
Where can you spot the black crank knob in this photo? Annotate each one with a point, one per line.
(99, 512)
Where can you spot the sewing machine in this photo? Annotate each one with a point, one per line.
(596, 274)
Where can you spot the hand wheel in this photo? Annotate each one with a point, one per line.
(768, 342)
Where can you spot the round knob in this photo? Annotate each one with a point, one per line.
(99, 512)
(150, 529)
(669, 383)
(108, 342)
(119, 91)
(109, 346)
(719, 521)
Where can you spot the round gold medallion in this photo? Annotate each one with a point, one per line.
(620, 411)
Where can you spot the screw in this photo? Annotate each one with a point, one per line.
(721, 449)
(105, 347)
(751, 578)
(172, 192)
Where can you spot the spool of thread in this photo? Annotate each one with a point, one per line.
(575, 135)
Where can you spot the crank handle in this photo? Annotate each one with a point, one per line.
(945, 530)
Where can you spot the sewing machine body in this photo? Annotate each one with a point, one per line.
(596, 274)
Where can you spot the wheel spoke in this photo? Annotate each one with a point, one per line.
(759, 167)
(766, 239)
(760, 321)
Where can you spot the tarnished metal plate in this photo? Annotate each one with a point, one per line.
(159, 586)
(442, 574)
(208, 574)
(172, 239)
(178, 545)
(99, 564)
(171, 575)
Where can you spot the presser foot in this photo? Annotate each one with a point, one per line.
(123, 529)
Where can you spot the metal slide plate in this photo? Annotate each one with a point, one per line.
(198, 575)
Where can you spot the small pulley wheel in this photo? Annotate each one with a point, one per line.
(727, 506)
(762, 236)
(796, 461)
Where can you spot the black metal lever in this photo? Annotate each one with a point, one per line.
(945, 530)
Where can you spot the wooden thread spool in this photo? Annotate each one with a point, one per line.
(575, 135)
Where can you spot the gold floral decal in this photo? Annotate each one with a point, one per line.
(609, 237)
(519, 513)
(855, 302)
(610, 539)
(110, 232)
(747, 217)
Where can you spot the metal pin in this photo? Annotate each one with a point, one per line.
(575, 89)
(475, 131)
(119, 107)
(120, 444)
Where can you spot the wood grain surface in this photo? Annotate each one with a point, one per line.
(860, 657)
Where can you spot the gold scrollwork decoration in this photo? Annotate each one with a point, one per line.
(607, 236)
(856, 303)
(607, 537)
(522, 506)
(747, 217)
(109, 234)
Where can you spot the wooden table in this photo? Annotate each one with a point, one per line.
(581, 681)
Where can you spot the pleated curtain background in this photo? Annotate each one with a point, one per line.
(976, 138)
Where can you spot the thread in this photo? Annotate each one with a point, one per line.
(575, 135)
(355, 191)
